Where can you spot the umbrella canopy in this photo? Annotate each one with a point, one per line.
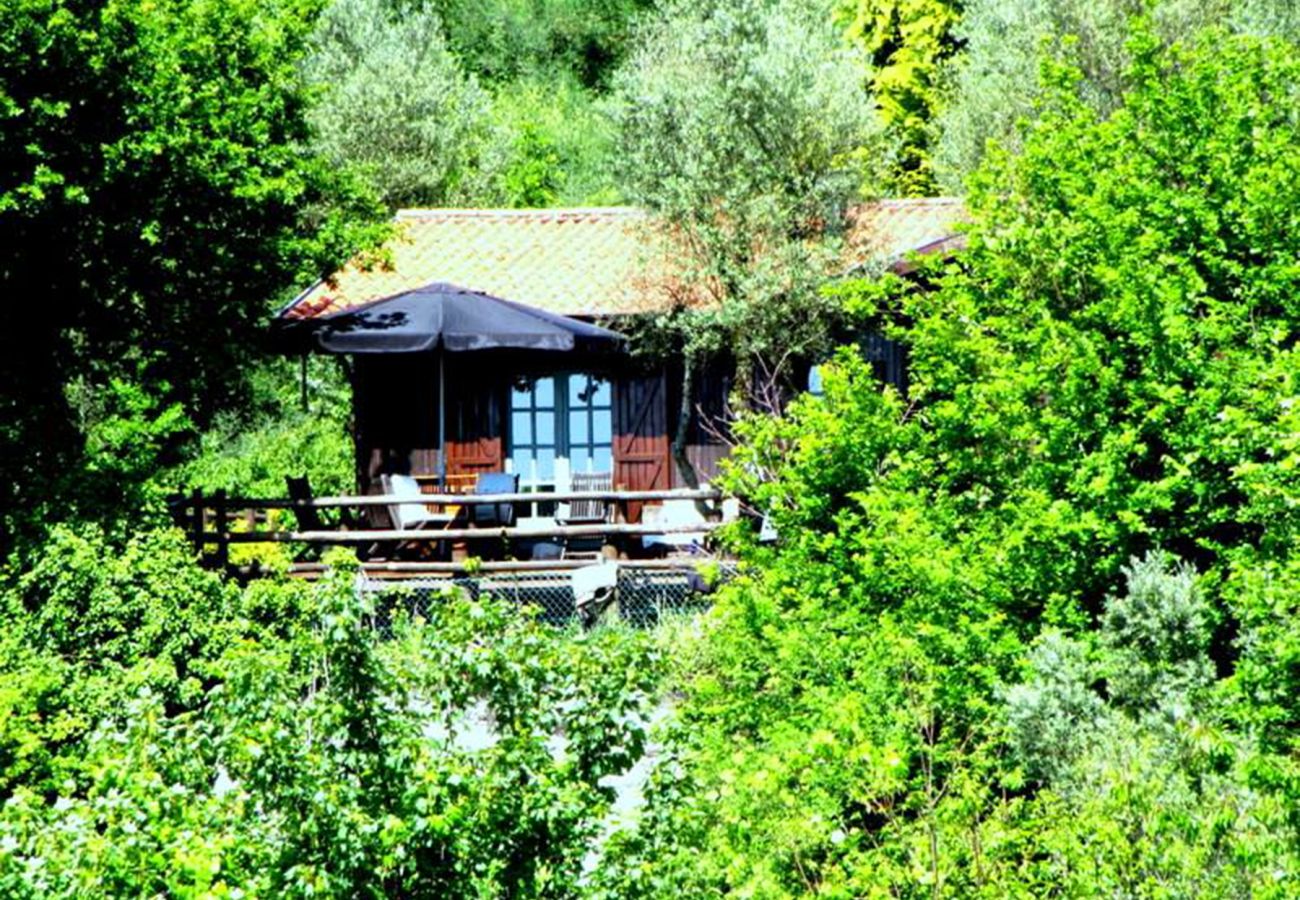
(457, 320)
(446, 318)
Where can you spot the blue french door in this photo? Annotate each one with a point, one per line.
(564, 416)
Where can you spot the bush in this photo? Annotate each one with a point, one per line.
(98, 604)
(1053, 716)
(1136, 818)
(1104, 371)
(462, 757)
(1157, 636)
(1264, 599)
(92, 622)
(251, 453)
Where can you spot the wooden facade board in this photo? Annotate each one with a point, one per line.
(707, 429)
(476, 398)
(642, 447)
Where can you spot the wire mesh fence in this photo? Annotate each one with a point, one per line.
(641, 597)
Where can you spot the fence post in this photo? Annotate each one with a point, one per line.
(195, 523)
(223, 545)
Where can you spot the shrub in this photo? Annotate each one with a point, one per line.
(1264, 689)
(98, 604)
(1053, 716)
(1157, 635)
(459, 757)
(1136, 818)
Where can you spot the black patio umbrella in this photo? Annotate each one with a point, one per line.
(447, 318)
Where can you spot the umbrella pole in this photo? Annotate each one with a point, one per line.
(442, 420)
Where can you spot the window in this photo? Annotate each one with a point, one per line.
(590, 436)
(566, 416)
(533, 415)
(815, 381)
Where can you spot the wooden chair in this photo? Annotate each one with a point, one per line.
(587, 512)
(414, 515)
(581, 511)
(300, 491)
(309, 518)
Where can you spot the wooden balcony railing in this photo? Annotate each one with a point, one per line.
(216, 521)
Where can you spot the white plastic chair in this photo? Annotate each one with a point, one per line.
(408, 516)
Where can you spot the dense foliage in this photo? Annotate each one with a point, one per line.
(505, 40)
(396, 104)
(1029, 630)
(449, 103)
(996, 82)
(155, 196)
(971, 667)
(165, 735)
(908, 40)
(295, 423)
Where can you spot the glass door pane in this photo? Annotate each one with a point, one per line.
(533, 429)
(591, 423)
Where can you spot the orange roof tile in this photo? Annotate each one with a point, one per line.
(594, 262)
(889, 230)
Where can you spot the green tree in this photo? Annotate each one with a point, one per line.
(556, 144)
(155, 199)
(743, 129)
(504, 41)
(439, 103)
(908, 41)
(995, 82)
(1144, 317)
(395, 104)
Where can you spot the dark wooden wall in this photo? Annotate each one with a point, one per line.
(395, 400)
(476, 411)
(709, 429)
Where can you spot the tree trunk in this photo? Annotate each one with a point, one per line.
(684, 466)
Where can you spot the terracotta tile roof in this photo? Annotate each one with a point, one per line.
(888, 231)
(594, 262)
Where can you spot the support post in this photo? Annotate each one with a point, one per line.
(223, 529)
(194, 521)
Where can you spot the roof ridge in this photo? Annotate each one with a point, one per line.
(629, 211)
(473, 212)
(911, 201)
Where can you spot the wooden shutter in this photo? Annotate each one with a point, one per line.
(642, 460)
